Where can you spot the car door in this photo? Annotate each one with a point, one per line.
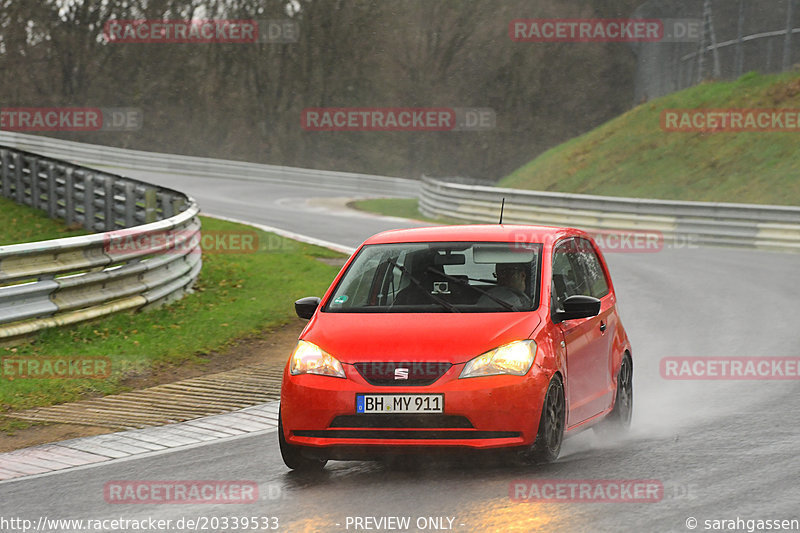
(607, 322)
(584, 339)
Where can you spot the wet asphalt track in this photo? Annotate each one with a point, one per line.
(721, 449)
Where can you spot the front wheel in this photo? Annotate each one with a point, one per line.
(548, 441)
(293, 455)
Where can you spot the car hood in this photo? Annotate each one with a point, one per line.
(444, 337)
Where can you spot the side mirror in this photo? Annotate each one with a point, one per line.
(579, 306)
(305, 307)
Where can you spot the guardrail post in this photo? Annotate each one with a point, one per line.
(130, 204)
(108, 204)
(52, 196)
(69, 197)
(166, 205)
(150, 206)
(178, 204)
(35, 192)
(88, 201)
(5, 173)
(20, 187)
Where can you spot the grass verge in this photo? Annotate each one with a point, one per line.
(235, 296)
(632, 156)
(23, 224)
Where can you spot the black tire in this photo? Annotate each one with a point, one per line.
(619, 419)
(293, 455)
(547, 446)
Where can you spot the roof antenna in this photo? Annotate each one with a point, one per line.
(502, 208)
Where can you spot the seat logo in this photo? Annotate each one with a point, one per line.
(400, 373)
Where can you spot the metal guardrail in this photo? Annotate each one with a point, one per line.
(63, 281)
(702, 223)
(109, 157)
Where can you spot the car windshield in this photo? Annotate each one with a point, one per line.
(440, 277)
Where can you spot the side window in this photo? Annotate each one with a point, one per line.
(595, 276)
(569, 278)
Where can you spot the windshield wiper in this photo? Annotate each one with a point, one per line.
(502, 302)
(447, 305)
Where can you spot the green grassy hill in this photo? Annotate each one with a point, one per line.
(632, 156)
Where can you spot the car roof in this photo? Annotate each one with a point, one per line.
(476, 233)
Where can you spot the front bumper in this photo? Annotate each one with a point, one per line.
(479, 413)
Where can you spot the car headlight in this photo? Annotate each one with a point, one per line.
(308, 358)
(514, 358)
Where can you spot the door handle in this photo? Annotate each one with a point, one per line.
(602, 326)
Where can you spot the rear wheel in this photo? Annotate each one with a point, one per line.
(619, 419)
(548, 441)
(293, 455)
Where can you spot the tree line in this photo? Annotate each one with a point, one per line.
(245, 100)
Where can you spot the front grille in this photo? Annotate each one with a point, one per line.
(401, 421)
(386, 374)
(421, 434)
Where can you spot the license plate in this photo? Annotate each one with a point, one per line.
(399, 403)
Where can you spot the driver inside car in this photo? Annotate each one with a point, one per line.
(511, 282)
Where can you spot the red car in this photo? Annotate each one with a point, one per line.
(457, 337)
